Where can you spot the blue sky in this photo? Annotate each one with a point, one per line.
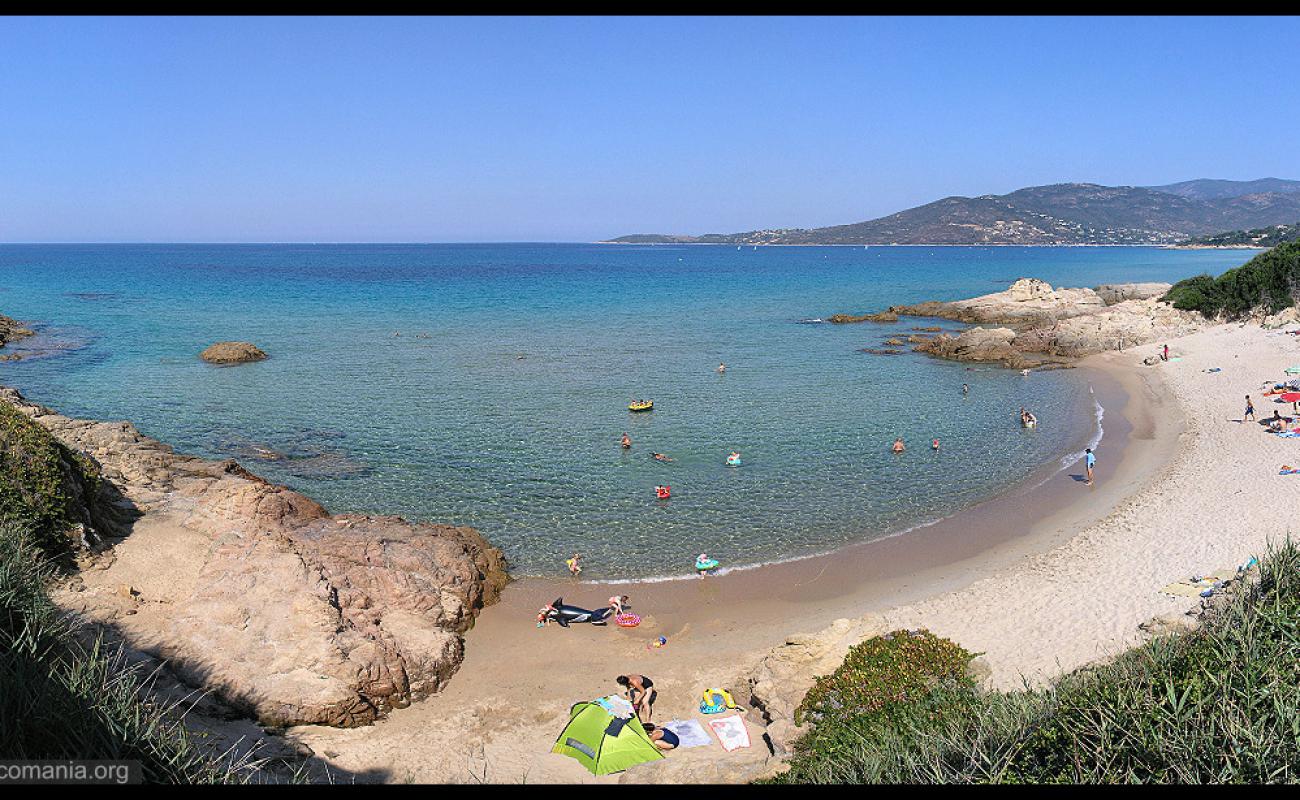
(574, 129)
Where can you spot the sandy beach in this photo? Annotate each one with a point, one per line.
(1045, 578)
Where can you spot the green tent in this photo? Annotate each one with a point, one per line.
(602, 743)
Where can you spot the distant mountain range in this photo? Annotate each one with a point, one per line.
(1063, 213)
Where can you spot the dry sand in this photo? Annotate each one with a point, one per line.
(1042, 580)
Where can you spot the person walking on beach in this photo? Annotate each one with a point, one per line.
(573, 565)
(1089, 461)
(1166, 354)
(1250, 411)
(640, 690)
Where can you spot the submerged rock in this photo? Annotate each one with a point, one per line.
(232, 353)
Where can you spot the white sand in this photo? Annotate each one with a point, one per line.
(1076, 595)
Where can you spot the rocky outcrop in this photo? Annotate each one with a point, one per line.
(1032, 325)
(1112, 293)
(232, 353)
(883, 316)
(777, 683)
(256, 592)
(11, 331)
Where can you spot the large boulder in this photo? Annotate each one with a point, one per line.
(232, 353)
(259, 594)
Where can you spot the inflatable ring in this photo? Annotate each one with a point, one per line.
(705, 566)
(627, 620)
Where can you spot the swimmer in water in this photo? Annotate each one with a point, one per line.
(660, 457)
(721, 368)
(627, 441)
(934, 445)
(898, 445)
(574, 566)
(965, 388)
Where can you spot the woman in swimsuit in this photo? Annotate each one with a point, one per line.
(640, 690)
(663, 738)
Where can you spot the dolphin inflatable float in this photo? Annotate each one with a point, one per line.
(565, 614)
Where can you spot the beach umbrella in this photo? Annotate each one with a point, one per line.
(1290, 397)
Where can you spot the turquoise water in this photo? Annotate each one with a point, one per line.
(501, 402)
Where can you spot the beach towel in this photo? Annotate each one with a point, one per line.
(731, 732)
(690, 732)
(618, 706)
(1292, 370)
(1287, 434)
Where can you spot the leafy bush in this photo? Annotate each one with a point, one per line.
(1268, 282)
(1220, 704)
(41, 481)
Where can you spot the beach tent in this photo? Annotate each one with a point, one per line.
(604, 743)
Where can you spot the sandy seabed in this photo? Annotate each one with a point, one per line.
(1041, 580)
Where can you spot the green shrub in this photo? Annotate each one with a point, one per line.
(42, 482)
(1268, 282)
(1216, 705)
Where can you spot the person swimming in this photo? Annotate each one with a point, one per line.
(898, 445)
(660, 457)
(934, 445)
(721, 368)
(626, 441)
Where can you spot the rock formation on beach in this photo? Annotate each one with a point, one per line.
(232, 353)
(257, 593)
(1032, 324)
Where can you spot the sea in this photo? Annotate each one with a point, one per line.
(487, 384)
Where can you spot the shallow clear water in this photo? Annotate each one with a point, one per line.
(501, 402)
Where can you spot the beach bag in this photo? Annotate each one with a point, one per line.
(715, 701)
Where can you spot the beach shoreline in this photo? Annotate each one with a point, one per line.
(719, 626)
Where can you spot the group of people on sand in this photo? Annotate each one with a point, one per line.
(641, 692)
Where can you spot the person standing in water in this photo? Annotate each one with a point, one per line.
(721, 368)
(573, 565)
(627, 441)
(965, 388)
(934, 445)
(1089, 461)
(898, 445)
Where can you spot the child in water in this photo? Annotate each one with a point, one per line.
(574, 566)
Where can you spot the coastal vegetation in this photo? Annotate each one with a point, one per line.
(1267, 283)
(1271, 236)
(61, 698)
(1217, 704)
